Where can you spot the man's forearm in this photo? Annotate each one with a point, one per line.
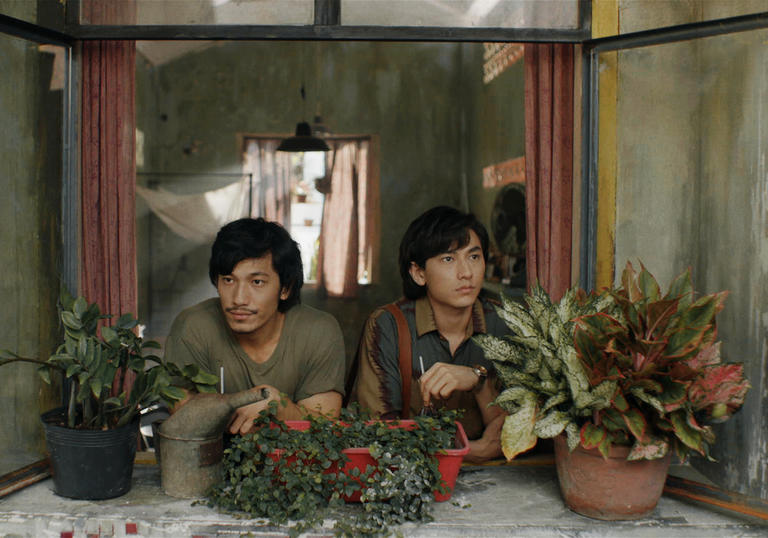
(489, 445)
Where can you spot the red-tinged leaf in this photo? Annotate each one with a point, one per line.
(636, 422)
(702, 312)
(629, 283)
(683, 341)
(674, 393)
(658, 316)
(720, 390)
(647, 284)
(648, 385)
(591, 435)
(650, 448)
(689, 437)
(605, 447)
(612, 420)
(708, 356)
(681, 288)
(620, 402)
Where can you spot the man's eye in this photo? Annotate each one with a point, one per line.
(475, 256)
(257, 282)
(447, 258)
(226, 279)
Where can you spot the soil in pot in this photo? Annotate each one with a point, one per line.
(612, 489)
(90, 464)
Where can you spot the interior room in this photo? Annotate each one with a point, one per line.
(650, 149)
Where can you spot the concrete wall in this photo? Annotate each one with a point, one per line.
(425, 102)
(692, 191)
(30, 153)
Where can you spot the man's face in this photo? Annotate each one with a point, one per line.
(453, 278)
(250, 295)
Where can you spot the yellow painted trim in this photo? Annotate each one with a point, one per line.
(605, 16)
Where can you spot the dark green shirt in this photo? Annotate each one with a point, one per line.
(309, 357)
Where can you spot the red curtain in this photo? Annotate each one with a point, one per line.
(549, 164)
(108, 273)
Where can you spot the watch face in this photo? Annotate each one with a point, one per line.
(480, 370)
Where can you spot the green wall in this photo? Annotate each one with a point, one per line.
(436, 122)
(30, 153)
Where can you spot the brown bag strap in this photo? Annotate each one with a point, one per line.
(404, 355)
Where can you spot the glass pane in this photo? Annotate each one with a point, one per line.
(30, 207)
(562, 14)
(635, 15)
(153, 12)
(691, 192)
(47, 13)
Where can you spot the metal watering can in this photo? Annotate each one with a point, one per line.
(190, 441)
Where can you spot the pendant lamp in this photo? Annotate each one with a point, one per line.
(303, 139)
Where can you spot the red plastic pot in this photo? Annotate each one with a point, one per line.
(612, 489)
(449, 463)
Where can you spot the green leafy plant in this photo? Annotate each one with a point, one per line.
(283, 474)
(96, 358)
(546, 388)
(661, 352)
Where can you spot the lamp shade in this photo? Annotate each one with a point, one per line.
(303, 140)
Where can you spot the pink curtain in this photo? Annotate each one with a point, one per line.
(549, 164)
(271, 188)
(345, 245)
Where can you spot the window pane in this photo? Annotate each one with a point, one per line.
(692, 192)
(562, 14)
(46, 13)
(149, 12)
(635, 16)
(31, 153)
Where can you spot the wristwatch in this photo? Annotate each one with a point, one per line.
(481, 372)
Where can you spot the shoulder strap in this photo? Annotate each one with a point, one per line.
(404, 356)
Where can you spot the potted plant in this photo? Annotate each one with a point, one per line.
(92, 440)
(301, 471)
(653, 376)
(662, 352)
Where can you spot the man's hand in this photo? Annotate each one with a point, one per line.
(242, 419)
(442, 379)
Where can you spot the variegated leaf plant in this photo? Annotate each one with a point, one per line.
(546, 388)
(662, 354)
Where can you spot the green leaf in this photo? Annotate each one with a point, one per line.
(551, 425)
(635, 421)
(688, 435)
(79, 307)
(648, 285)
(517, 434)
(592, 435)
(174, 394)
(45, 373)
(110, 336)
(71, 321)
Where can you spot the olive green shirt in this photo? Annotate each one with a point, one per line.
(309, 358)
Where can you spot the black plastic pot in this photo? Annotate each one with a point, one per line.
(90, 464)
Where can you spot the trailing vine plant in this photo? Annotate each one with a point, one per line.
(284, 475)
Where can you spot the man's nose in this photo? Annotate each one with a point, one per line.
(464, 269)
(240, 295)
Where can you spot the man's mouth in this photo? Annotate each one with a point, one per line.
(466, 289)
(240, 314)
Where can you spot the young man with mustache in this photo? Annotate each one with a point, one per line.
(257, 330)
(442, 265)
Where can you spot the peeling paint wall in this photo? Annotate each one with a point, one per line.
(692, 190)
(30, 172)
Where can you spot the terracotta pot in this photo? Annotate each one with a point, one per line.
(611, 489)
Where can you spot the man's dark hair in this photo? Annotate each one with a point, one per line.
(436, 231)
(255, 238)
